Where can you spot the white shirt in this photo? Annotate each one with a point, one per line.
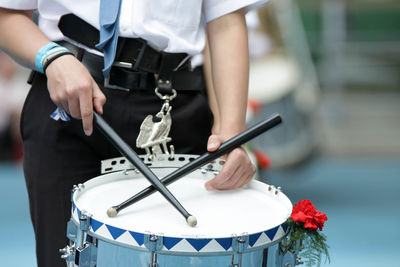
(167, 25)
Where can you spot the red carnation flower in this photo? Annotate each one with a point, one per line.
(305, 212)
(320, 219)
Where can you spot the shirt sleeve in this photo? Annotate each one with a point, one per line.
(19, 4)
(216, 8)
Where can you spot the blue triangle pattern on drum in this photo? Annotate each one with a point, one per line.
(114, 231)
(198, 243)
(79, 213)
(271, 232)
(170, 242)
(253, 238)
(95, 224)
(284, 227)
(139, 238)
(226, 243)
(73, 207)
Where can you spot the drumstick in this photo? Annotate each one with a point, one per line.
(128, 152)
(225, 147)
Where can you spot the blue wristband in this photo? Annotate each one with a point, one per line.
(42, 51)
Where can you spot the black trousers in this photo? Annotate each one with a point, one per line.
(58, 155)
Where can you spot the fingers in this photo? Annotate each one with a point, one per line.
(237, 172)
(98, 98)
(221, 180)
(79, 104)
(86, 108)
(88, 99)
(72, 88)
(73, 108)
(213, 143)
(245, 178)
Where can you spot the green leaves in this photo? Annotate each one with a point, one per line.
(310, 245)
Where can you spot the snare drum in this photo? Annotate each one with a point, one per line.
(235, 228)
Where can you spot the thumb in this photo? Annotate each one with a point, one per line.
(99, 98)
(213, 143)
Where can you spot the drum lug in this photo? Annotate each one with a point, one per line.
(239, 245)
(72, 230)
(288, 260)
(153, 243)
(287, 257)
(84, 225)
(86, 255)
(83, 252)
(68, 253)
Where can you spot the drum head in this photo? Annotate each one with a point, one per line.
(253, 210)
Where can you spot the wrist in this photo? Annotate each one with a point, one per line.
(227, 133)
(47, 52)
(232, 127)
(233, 117)
(53, 57)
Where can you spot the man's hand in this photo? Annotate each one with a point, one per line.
(72, 88)
(237, 170)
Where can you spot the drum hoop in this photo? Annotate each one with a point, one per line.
(214, 245)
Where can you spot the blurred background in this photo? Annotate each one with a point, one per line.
(332, 69)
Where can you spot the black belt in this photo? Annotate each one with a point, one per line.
(135, 63)
(130, 51)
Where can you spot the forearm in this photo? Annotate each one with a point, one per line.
(212, 99)
(228, 42)
(20, 37)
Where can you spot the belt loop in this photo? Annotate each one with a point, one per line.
(79, 54)
(31, 77)
(120, 47)
(140, 55)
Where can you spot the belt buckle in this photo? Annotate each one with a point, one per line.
(125, 65)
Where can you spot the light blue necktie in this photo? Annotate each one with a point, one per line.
(109, 25)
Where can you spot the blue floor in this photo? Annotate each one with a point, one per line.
(17, 248)
(359, 196)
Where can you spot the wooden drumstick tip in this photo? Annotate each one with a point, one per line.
(112, 212)
(192, 221)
